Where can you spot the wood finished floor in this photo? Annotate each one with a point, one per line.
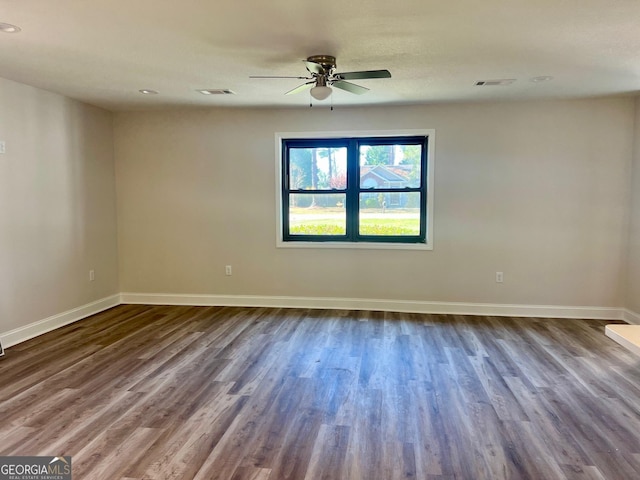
(154, 392)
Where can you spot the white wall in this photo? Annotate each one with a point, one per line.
(536, 190)
(633, 252)
(57, 205)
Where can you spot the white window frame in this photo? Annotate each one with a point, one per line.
(428, 245)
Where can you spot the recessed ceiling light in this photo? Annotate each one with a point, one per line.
(8, 28)
(544, 78)
(144, 91)
(217, 91)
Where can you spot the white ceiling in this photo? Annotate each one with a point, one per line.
(104, 51)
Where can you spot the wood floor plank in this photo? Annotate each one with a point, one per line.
(556, 431)
(230, 393)
(204, 437)
(159, 458)
(329, 453)
(251, 473)
(92, 462)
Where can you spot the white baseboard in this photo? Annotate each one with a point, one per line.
(630, 317)
(452, 308)
(21, 334)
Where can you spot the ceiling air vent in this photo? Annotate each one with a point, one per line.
(217, 91)
(493, 83)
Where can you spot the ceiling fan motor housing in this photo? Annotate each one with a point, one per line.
(328, 62)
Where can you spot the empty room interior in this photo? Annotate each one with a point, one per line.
(337, 240)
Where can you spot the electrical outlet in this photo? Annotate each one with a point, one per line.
(2, 147)
(499, 277)
(227, 270)
(92, 275)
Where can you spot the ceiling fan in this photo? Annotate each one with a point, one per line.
(323, 76)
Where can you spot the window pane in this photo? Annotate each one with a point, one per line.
(318, 168)
(311, 214)
(390, 166)
(390, 213)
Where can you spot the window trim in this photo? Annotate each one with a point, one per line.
(427, 245)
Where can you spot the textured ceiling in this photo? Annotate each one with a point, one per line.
(104, 51)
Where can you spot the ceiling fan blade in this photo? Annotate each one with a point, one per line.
(350, 87)
(301, 88)
(314, 67)
(363, 75)
(271, 76)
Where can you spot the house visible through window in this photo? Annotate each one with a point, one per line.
(357, 189)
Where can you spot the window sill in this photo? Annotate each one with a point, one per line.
(356, 245)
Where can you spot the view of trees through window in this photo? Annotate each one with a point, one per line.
(376, 188)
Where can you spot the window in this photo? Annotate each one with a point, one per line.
(353, 190)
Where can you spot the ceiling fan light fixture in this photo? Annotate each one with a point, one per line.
(321, 92)
(323, 77)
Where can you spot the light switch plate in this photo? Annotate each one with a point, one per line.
(2, 148)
